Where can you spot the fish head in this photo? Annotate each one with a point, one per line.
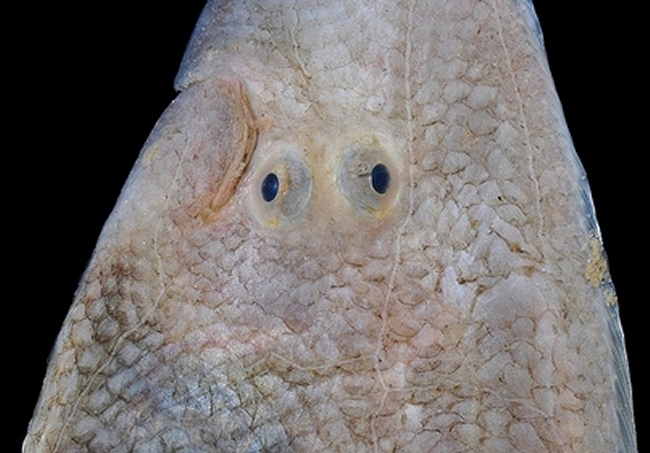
(308, 109)
(361, 226)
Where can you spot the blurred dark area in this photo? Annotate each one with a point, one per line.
(93, 78)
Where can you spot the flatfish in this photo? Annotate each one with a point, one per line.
(360, 227)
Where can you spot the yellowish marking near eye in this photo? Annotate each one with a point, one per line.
(354, 178)
(294, 190)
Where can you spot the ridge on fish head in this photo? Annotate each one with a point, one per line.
(361, 226)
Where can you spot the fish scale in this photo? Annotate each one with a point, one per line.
(310, 341)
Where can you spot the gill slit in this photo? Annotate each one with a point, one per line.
(400, 231)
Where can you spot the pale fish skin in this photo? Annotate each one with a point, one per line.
(466, 309)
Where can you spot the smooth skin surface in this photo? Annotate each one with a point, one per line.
(229, 92)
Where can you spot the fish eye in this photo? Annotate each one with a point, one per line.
(380, 178)
(270, 187)
(283, 186)
(365, 178)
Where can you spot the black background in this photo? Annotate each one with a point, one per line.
(85, 83)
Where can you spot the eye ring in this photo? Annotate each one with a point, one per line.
(366, 177)
(282, 185)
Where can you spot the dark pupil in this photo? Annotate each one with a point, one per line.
(380, 178)
(270, 187)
